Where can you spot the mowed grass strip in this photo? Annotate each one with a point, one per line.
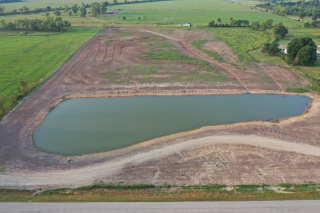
(33, 58)
(241, 40)
(149, 193)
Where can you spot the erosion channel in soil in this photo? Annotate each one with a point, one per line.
(91, 125)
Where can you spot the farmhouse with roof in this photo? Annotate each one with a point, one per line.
(186, 25)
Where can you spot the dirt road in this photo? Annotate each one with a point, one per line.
(88, 175)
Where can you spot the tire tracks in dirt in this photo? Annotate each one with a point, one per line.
(206, 58)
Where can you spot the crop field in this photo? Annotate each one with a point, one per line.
(33, 58)
(241, 40)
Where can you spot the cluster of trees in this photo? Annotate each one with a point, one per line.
(302, 51)
(299, 8)
(312, 24)
(266, 24)
(79, 8)
(98, 8)
(54, 24)
(279, 30)
(271, 48)
(233, 23)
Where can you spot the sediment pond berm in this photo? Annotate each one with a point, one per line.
(92, 125)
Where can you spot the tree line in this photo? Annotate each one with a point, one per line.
(279, 30)
(9, 1)
(53, 24)
(299, 8)
(25, 9)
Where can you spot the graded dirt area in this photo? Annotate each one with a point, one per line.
(111, 65)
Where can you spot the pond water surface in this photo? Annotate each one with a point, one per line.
(91, 125)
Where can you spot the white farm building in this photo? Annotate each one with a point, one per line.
(283, 48)
(186, 25)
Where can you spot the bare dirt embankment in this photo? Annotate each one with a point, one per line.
(110, 65)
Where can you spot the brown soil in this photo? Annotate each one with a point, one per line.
(85, 76)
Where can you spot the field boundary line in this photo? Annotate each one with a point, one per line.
(34, 89)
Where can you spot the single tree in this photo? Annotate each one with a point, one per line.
(231, 19)
(271, 49)
(57, 13)
(255, 25)
(23, 84)
(26, 9)
(138, 18)
(3, 22)
(145, 17)
(66, 8)
(295, 45)
(103, 9)
(263, 26)
(211, 24)
(235, 23)
(301, 14)
(70, 13)
(219, 20)
(115, 2)
(280, 30)
(307, 24)
(307, 55)
(124, 18)
(268, 22)
(74, 8)
(245, 22)
(60, 25)
(52, 24)
(316, 13)
(83, 11)
(49, 8)
(2, 102)
(57, 18)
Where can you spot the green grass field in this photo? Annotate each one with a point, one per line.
(313, 33)
(198, 12)
(33, 58)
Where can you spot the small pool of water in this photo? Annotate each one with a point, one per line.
(91, 125)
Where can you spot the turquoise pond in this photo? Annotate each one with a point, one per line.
(92, 125)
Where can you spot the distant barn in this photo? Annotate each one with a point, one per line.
(186, 25)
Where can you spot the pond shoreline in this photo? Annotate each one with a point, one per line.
(195, 111)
